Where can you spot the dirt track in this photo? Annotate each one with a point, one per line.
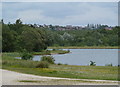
(15, 78)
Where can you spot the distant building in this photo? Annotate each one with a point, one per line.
(108, 28)
(70, 27)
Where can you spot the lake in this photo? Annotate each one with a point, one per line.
(84, 56)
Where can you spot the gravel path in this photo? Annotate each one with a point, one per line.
(15, 78)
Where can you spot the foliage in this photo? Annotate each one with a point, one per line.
(109, 64)
(42, 64)
(49, 52)
(54, 70)
(8, 59)
(27, 56)
(18, 36)
(92, 63)
(59, 63)
(89, 37)
(53, 49)
(43, 52)
(60, 51)
(49, 59)
(33, 39)
(9, 39)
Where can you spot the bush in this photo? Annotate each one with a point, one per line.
(65, 64)
(48, 59)
(59, 63)
(92, 63)
(42, 64)
(27, 56)
(109, 64)
(48, 52)
(53, 49)
(4, 62)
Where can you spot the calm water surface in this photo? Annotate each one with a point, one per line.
(84, 56)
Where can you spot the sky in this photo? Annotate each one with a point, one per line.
(61, 13)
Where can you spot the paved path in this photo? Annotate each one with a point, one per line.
(15, 78)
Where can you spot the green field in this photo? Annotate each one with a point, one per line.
(66, 71)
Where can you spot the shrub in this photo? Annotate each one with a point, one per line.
(92, 63)
(27, 56)
(53, 49)
(49, 59)
(68, 50)
(59, 63)
(48, 52)
(42, 64)
(65, 64)
(109, 64)
(4, 62)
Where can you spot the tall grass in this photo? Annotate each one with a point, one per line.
(43, 64)
(48, 59)
(8, 59)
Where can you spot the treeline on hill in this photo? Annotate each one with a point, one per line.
(97, 37)
(18, 36)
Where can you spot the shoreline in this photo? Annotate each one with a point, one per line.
(86, 47)
(62, 70)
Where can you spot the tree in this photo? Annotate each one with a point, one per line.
(33, 39)
(8, 39)
(17, 26)
(18, 21)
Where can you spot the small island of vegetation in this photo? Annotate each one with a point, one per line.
(51, 52)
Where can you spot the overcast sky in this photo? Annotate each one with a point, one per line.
(61, 13)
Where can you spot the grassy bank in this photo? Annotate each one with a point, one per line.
(84, 47)
(66, 71)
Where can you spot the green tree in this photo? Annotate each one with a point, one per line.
(33, 39)
(8, 39)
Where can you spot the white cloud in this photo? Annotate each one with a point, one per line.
(94, 15)
(63, 13)
(0, 10)
(30, 15)
(60, 0)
